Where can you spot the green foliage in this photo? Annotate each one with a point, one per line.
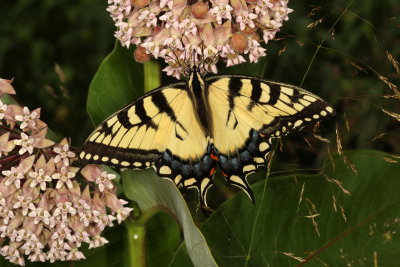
(117, 83)
(153, 195)
(338, 217)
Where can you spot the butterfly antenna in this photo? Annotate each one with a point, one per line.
(216, 58)
(171, 58)
(176, 57)
(184, 66)
(201, 65)
(175, 60)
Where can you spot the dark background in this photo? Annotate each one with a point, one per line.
(53, 48)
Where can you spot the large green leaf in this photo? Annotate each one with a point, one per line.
(313, 217)
(153, 193)
(118, 81)
(163, 238)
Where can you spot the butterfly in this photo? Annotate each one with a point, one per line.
(187, 129)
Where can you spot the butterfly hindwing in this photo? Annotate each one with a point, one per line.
(255, 111)
(161, 130)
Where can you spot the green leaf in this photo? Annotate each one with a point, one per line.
(118, 81)
(155, 194)
(312, 217)
(163, 238)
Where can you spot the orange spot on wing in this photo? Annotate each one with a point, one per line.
(214, 157)
(224, 174)
(212, 171)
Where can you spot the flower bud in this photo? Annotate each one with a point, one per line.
(112, 201)
(86, 195)
(45, 202)
(91, 172)
(238, 42)
(139, 3)
(199, 10)
(28, 191)
(249, 30)
(98, 204)
(30, 226)
(140, 54)
(256, 37)
(76, 224)
(75, 191)
(6, 87)
(61, 195)
(26, 164)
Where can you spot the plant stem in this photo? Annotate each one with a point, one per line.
(152, 75)
(136, 244)
(136, 229)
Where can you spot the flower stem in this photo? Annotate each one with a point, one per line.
(136, 229)
(136, 244)
(152, 75)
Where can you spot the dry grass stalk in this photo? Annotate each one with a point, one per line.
(289, 254)
(391, 85)
(379, 136)
(300, 43)
(390, 160)
(394, 62)
(301, 193)
(392, 114)
(346, 161)
(320, 138)
(312, 210)
(358, 67)
(338, 183)
(282, 50)
(315, 23)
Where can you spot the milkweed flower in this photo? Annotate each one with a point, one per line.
(183, 32)
(48, 207)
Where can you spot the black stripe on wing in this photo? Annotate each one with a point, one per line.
(196, 173)
(291, 108)
(97, 150)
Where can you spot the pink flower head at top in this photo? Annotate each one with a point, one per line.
(186, 32)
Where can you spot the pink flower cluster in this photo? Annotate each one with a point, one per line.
(182, 32)
(48, 208)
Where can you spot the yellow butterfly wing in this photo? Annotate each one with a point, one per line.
(247, 112)
(160, 129)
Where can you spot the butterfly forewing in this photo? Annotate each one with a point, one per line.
(255, 111)
(161, 130)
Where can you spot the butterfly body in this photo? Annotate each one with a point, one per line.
(187, 129)
(199, 95)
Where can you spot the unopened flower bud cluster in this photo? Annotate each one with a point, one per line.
(183, 32)
(48, 208)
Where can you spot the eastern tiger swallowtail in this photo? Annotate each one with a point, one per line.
(186, 129)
